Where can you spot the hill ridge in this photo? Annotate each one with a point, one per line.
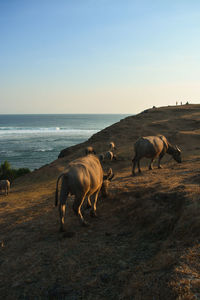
(144, 243)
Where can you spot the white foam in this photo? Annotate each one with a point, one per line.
(44, 130)
(44, 150)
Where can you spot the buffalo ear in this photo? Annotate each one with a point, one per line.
(111, 177)
(110, 172)
(108, 175)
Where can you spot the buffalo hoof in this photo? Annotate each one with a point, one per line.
(75, 211)
(85, 224)
(93, 214)
(88, 206)
(68, 234)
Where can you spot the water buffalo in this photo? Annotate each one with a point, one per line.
(5, 186)
(153, 147)
(90, 150)
(110, 155)
(83, 178)
(112, 146)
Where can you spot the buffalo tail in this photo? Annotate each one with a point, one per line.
(56, 195)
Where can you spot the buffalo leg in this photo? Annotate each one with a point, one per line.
(138, 163)
(77, 208)
(89, 204)
(151, 164)
(134, 161)
(93, 212)
(159, 159)
(62, 209)
(62, 206)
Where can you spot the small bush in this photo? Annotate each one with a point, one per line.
(6, 172)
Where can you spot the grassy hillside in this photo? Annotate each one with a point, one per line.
(143, 245)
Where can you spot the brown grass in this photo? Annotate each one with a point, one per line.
(143, 245)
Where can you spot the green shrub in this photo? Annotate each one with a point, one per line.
(6, 172)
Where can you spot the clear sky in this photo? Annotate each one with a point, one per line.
(98, 56)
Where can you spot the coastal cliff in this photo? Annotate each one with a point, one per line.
(145, 242)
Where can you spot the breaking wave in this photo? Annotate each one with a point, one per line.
(46, 130)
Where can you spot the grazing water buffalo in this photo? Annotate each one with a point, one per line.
(5, 186)
(83, 178)
(112, 146)
(90, 150)
(110, 155)
(153, 147)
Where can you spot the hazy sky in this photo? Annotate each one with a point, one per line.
(98, 56)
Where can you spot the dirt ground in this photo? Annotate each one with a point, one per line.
(145, 242)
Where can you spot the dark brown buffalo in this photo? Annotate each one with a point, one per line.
(153, 147)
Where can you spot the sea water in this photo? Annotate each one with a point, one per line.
(31, 141)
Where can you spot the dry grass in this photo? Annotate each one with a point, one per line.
(143, 245)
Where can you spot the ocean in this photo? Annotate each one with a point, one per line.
(31, 141)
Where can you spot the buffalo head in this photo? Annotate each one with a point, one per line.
(177, 154)
(106, 181)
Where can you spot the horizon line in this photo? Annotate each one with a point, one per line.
(3, 114)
